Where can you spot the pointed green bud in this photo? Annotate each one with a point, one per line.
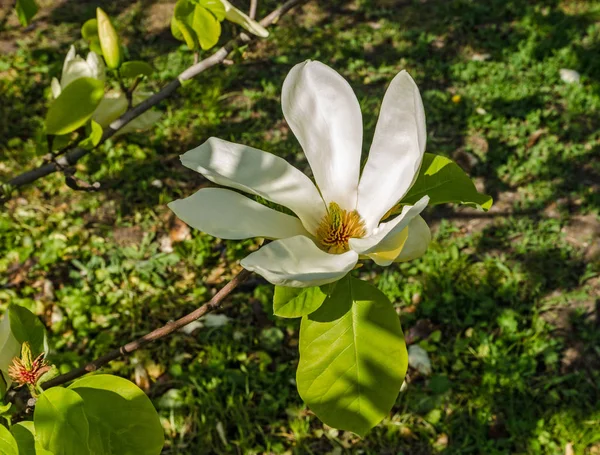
(109, 40)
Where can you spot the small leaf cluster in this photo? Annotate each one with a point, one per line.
(198, 22)
(101, 414)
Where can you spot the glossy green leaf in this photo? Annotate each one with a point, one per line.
(26, 9)
(214, 6)
(24, 434)
(26, 326)
(122, 419)
(206, 26)
(61, 425)
(353, 357)
(8, 445)
(9, 348)
(297, 302)
(444, 181)
(89, 30)
(130, 70)
(181, 23)
(109, 40)
(75, 105)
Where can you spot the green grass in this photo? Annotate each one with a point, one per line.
(505, 302)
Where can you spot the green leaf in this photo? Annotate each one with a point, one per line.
(353, 357)
(122, 419)
(214, 6)
(8, 445)
(26, 9)
(297, 302)
(181, 23)
(3, 385)
(9, 348)
(206, 26)
(24, 434)
(89, 30)
(109, 40)
(26, 326)
(94, 137)
(135, 68)
(74, 106)
(61, 425)
(444, 181)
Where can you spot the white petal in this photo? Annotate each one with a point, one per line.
(298, 262)
(396, 153)
(230, 215)
(232, 14)
(55, 87)
(112, 106)
(419, 238)
(261, 173)
(385, 236)
(410, 243)
(75, 69)
(324, 114)
(70, 56)
(96, 64)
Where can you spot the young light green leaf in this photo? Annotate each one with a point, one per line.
(74, 106)
(297, 302)
(444, 181)
(109, 40)
(61, 425)
(135, 68)
(181, 23)
(122, 419)
(353, 357)
(8, 445)
(206, 26)
(26, 327)
(26, 9)
(89, 30)
(214, 6)
(94, 137)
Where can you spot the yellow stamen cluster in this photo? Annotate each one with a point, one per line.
(338, 227)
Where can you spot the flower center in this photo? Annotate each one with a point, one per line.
(339, 226)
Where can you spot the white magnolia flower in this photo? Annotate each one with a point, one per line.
(114, 103)
(76, 67)
(341, 219)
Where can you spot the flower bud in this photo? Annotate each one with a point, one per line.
(109, 40)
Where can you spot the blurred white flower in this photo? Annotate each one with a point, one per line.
(114, 103)
(338, 221)
(569, 76)
(419, 359)
(75, 67)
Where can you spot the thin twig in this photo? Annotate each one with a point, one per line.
(75, 155)
(253, 7)
(156, 334)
